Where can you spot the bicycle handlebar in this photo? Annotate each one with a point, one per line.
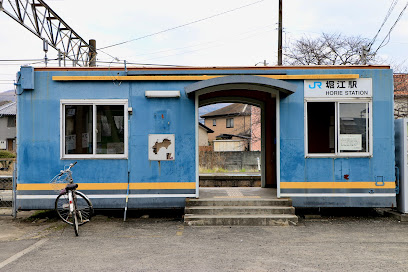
(67, 170)
(71, 165)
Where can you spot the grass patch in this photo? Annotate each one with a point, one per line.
(42, 214)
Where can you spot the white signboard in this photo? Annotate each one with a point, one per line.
(3, 144)
(350, 142)
(161, 147)
(339, 88)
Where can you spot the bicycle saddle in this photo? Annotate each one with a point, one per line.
(71, 186)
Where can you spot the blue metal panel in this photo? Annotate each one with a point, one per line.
(27, 78)
(368, 202)
(39, 137)
(296, 168)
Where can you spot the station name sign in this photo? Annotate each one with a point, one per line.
(354, 88)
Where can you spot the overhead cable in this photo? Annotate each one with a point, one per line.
(183, 25)
(391, 8)
(388, 36)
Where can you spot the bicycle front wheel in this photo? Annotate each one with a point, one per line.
(75, 219)
(84, 208)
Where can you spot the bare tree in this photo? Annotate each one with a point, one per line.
(330, 49)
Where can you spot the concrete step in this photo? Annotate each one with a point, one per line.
(241, 220)
(239, 202)
(239, 210)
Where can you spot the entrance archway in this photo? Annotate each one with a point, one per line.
(255, 90)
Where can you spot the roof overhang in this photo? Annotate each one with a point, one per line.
(241, 82)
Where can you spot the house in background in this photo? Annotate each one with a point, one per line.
(203, 134)
(400, 95)
(234, 127)
(8, 112)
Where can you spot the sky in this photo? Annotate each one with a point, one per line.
(235, 33)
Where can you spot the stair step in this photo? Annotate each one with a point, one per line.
(238, 210)
(239, 202)
(241, 220)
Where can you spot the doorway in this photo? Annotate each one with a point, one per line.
(250, 89)
(267, 104)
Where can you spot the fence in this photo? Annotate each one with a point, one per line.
(230, 160)
(7, 187)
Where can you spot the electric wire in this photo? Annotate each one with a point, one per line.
(137, 63)
(390, 9)
(205, 48)
(17, 60)
(388, 36)
(180, 26)
(257, 29)
(254, 32)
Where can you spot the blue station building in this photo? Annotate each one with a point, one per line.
(327, 132)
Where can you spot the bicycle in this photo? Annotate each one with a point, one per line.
(72, 206)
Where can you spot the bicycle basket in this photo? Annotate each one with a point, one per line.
(59, 182)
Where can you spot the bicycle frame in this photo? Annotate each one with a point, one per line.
(71, 201)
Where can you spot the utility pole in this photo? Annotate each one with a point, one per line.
(280, 34)
(92, 53)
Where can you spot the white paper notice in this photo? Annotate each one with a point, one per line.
(350, 142)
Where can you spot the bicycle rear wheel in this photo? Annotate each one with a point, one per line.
(84, 208)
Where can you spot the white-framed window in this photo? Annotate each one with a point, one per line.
(94, 129)
(340, 128)
(230, 122)
(214, 122)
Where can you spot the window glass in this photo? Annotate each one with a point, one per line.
(353, 127)
(110, 129)
(214, 122)
(321, 127)
(11, 121)
(230, 122)
(78, 129)
(341, 123)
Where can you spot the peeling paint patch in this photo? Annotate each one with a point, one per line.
(161, 147)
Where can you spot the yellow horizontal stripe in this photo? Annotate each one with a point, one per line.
(198, 77)
(336, 185)
(110, 186)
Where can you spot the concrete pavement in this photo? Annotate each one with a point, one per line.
(161, 242)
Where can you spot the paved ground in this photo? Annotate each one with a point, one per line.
(358, 242)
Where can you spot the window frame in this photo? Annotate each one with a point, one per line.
(231, 122)
(94, 103)
(337, 153)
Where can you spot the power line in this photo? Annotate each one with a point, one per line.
(388, 36)
(183, 25)
(257, 29)
(201, 49)
(137, 63)
(391, 8)
(11, 60)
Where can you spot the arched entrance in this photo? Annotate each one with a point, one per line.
(255, 90)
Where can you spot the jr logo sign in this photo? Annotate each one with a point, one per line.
(341, 88)
(317, 84)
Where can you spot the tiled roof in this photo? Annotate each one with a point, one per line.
(400, 84)
(230, 110)
(8, 109)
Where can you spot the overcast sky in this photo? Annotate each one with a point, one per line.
(243, 37)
